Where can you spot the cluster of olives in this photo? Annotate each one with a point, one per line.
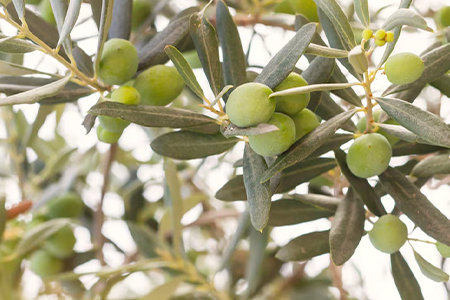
(49, 258)
(250, 105)
(158, 85)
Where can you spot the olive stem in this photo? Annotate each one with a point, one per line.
(369, 116)
(49, 51)
(422, 241)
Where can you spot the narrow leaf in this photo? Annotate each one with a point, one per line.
(347, 228)
(258, 194)
(20, 8)
(233, 190)
(69, 22)
(402, 133)
(191, 145)
(257, 254)
(442, 84)
(176, 204)
(349, 94)
(307, 145)
(404, 279)
(233, 130)
(174, 34)
(121, 20)
(152, 116)
(340, 21)
(184, 69)
(334, 142)
(234, 65)
(318, 50)
(364, 190)
(284, 61)
(319, 70)
(105, 24)
(10, 44)
(37, 94)
(304, 171)
(438, 164)
(7, 68)
(313, 88)
(405, 17)
(239, 234)
(320, 201)
(436, 64)
(426, 125)
(305, 247)
(205, 40)
(59, 9)
(221, 94)
(402, 148)
(83, 61)
(430, 271)
(415, 205)
(362, 10)
(289, 212)
(147, 241)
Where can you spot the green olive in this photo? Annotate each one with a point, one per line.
(275, 142)
(308, 8)
(61, 243)
(106, 136)
(159, 85)
(369, 155)
(404, 68)
(141, 11)
(305, 121)
(66, 205)
(444, 16)
(46, 12)
(119, 62)
(291, 105)
(44, 264)
(388, 234)
(249, 104)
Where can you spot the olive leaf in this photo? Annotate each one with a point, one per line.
(69, 21)
(442, 84)
(190, 145)
(402, 133)
(430, 271)
(350, 214)
(313, 88)
(3, 217)
(404, 279)
(407, 17)
(12, 44)
(20, 8)
(233, 190)
(438, 164)
(258, 194)
(305, 247)
(233, 130)
(320, 201)
(121, 20)
(257, 254)
(362, 11)
(426, 125)
(289, 211)
(323, 51)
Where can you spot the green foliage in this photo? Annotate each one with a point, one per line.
(263, 126)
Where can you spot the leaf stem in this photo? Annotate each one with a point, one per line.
(369, 115)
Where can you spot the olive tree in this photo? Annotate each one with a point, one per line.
(304, 137)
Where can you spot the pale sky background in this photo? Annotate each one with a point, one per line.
(373, 266)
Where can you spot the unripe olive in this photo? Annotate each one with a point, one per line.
(66, 205)
(305, 121)
(61, 243)
(106, 136)
(308, 8)
(249, 104)
(361, 126)
(141, 11)
(119, 62)
(292, 104)
(369, 155)
(46, 12)
(389, 37)
(380, 43)
(275, 142)
(43, 264)
(404, 68)
(127, 95)
(388, 234)
(159, 85)
(112, 124)
(367, 34)
(444, 16)
(380, 34)
(443, 249)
